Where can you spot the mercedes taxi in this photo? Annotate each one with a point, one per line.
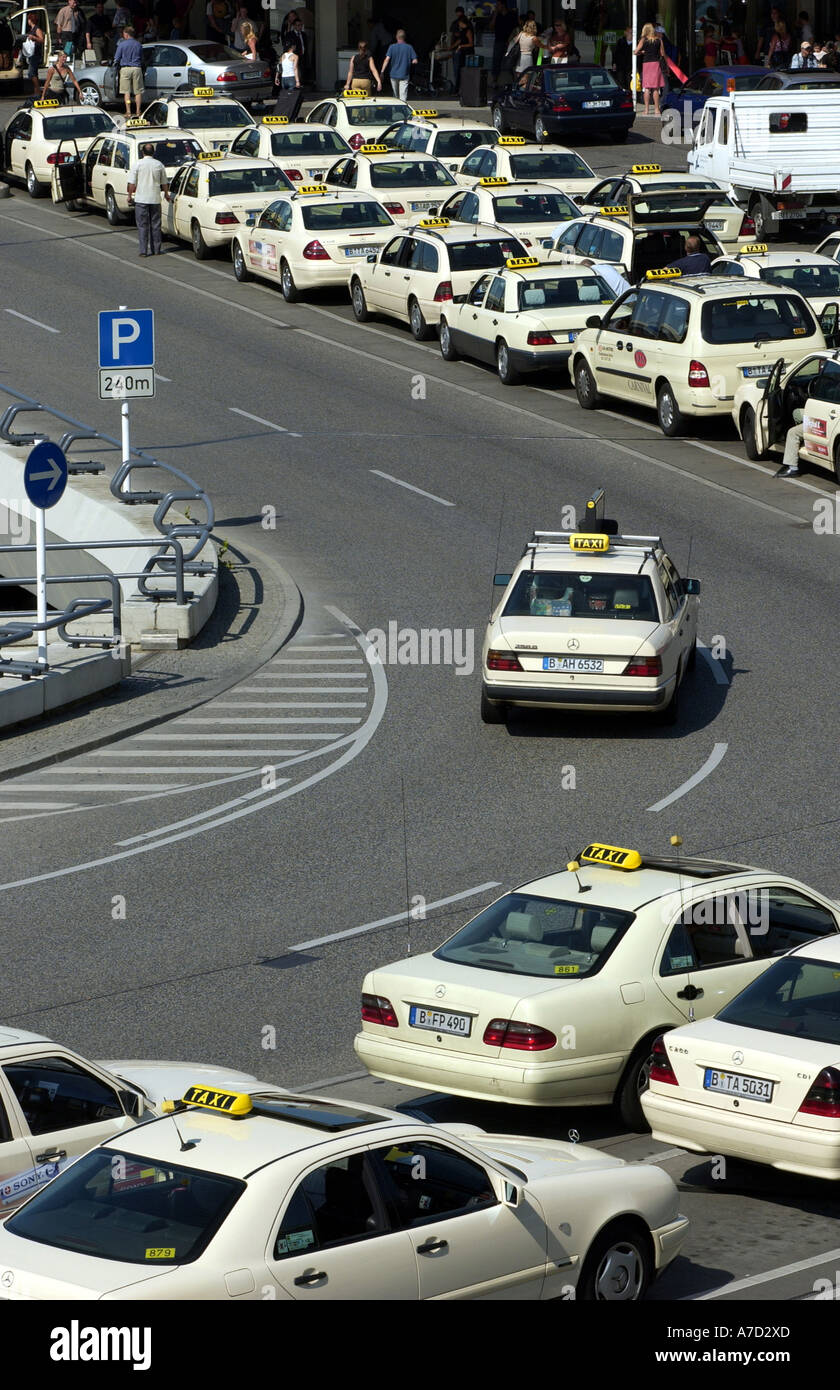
(447, 138)
(815, 277)
(683, 344)
(45, 134)
(100, 178)
(417, 274)
(760, 1081)
(247, 1195)
(360, 119)
(554, 994)
(592, 621)
(730, 224)
(214, 121)
(312, 237)
(763, 410)
(304, 152)
(522, 317)
(529, 211)
(214, 194)
(407, 185)
(524, 161)
(646, 233)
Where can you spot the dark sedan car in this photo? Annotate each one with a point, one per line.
(558, 99)
(712, 82)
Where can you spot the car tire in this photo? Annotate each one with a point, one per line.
(671, 713)
(492, 711)
(33, 187)
(499, 122)
(240, 269)
(671, 419)
(447, 349)
(91, 95)
(760, 210)
(508, 375)
(541, 131)
(287, 283)
(357, 299)
(200, 248)
(751, 448)
(420, 330)
(619, 1264)
(112, 212)
(633, 1082)
(587, 392)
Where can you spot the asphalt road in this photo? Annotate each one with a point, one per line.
(386, 784)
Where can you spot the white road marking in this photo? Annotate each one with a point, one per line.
(36, 805)
(317, 661)
(36, 322)
(147, 771)
(281, 719)
(312, 675)
(715, 757)
(98, 787)
(334, 647)
(331, 1081)
(431, 496)
(309, 689)
(830, 1256)
(663, 1156)
(158, 377)
(388, 921)
(714, 663)
(281, 429)
(240, 754)
(290, 704)
(258, 733)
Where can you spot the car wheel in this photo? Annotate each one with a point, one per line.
(357, 299)
(760, 210)
(447, 349)
(751, 448)
(240, 269)
(200, 248)
(492, 712)
(33, 187)
(618, 1267)
(91, 95)
(287, 283)
(670, 417)
(419, 328)
(587, 392)
(633, 1083)
(499, 120)
(541, 132)
(671, 713)
(112, 212)
(508, 375)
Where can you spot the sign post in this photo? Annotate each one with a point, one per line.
(44, 478)
(126, 363)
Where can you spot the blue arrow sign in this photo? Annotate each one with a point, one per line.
(126, 338)
(45, 474)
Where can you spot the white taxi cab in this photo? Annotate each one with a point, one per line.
(520, 160)
(763, 410)
(100, 178)
(447, 138)
(522, 317)
(816, 278)
(215, 194)
(312, 237)
(529, 211)
(215, 121)
(418, 274)
(731, 225)
(552, 994)
(591, 621)
(760, 1080)
(47, 134)
(304, 152)
(407, 185)
(244, 1196)
(646, 233)
(684, 344)
(359, 118)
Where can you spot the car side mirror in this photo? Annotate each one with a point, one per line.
(501, 581)
(594, 321)
(371, 260)
(511, 1194)
(460, 298)
(131, 1103)
(692, 586)
(580, 199)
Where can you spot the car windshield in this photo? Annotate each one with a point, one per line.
(210, 52)
(378, 115)
(211, 114)
(549, 165)
(297, 142)
(477, 254)
(563, 292)
(117, 1206)
(77, 127)
(456, 144)
(335, 217)
(592, 82)
(796, 997)
(222, 182)
(172, 152)
(413, 173)
(573, 594)
(746, 317)
(808, 280)
(533, 207)
(522, 934)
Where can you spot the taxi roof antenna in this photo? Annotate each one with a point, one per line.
(676, 841)
(405, 869)
(574, 868)
(185, 1143)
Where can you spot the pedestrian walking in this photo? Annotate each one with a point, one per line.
(98, 31)
(129, 59)
(502, 27)
(400, 58)
(59, 76)
(652, 51)
(362, 71)
(69, 25)
(147, 181)
(622, 58)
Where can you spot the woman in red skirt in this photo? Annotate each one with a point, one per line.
(652, 51)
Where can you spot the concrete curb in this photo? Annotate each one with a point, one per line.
(280, 635)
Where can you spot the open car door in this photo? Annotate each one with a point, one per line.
(829, 325)
(68, 175)
(17, 23)
(771, 411)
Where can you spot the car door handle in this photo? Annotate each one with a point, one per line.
(495, 321)
(406, 277)
(388, 274)
(51, 1156)
(619, 344)
(629, 347)
(314, 1277)
(690, 992)
(475, 316)
(431, 1246)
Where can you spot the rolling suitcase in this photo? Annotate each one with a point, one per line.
(288, 103)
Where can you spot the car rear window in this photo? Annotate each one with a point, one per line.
(296, 142)
(211, 115)
(458, 143)
(365, 114)
(221, 183)
(548, 165)
(534, 207)
(172, 152)
(478, 254)
(808, 280)
(77, 127)
(563, 292)
(565, 79)
(795, 997)
(573, 594)
(413, 173)
(211, 52)
(744, 318)
(523, 934)
(333, 217)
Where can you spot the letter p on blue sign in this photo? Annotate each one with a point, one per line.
(126, 338)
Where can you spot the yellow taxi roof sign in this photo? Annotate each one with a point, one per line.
(589, 542)
(356, 95)
(374, 149)
(614, 210)
(758, 248)
(137, 122)
(611, 856)
(434, 222)
(275, 120)
(492, 183)
(646, 169)
(203, 92)
(521, 262)
(227, 1102)
(426, 115)
(39, 105)
(312, 188)
(211, 154)
(663, 274)
(511, 140)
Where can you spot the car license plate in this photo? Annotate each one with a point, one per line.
(589, 105)
(572, 336)
(436, 1021)
(591, 664)
(756, 371)
(715, 226)
(745, 1087)
(360, 250)
(251, 219)
(315, 173)
(424, 207)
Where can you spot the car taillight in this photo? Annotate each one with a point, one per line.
(293, 174)
(503, 661)
(560, 106)
(314, 251)
(375, 1009)
(62, 158)
(443, 293)
(644, 666)
(226, 219)
(540, 339)
(393, 208)
(355, 141)
(824, 1096)
(660, 1064)
(747, 225)
(227, 77)
(522, 1037)
(626, 104)
(525, 241)
(697, 375)
(266, 72)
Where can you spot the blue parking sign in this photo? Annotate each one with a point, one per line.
(126, 338)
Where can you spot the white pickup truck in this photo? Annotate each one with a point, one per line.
(777, 152)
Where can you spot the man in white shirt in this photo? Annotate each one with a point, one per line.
(146, 182)
(612, 276)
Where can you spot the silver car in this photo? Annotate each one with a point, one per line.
(178, 67)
